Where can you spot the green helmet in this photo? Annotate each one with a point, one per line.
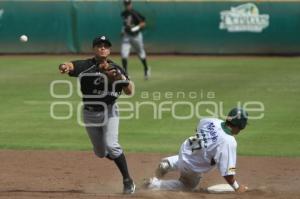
(238, 117)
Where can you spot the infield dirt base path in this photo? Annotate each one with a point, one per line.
(61, 174)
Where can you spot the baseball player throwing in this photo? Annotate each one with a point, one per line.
(101, 83)
(133, 23)
(213, 145)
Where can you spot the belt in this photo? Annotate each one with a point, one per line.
(94, 108)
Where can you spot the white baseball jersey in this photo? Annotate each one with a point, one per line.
(212, 145)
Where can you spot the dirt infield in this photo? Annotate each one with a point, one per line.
(57, 174)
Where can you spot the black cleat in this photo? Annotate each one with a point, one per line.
(129, 186)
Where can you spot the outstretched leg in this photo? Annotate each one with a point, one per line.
(158, 184)
(187, 181)
(166, 164)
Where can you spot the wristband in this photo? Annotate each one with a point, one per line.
(135, 28)
(235, 185)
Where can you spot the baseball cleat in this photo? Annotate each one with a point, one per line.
(152, 183)
(129, 186)
(148, 74)
(162, 169)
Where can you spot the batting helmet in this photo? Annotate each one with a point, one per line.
(237, 117)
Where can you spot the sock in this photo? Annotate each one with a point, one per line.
(144, 61)
(124, 63)
(122, 165)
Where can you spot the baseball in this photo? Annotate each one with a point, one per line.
(23, 38)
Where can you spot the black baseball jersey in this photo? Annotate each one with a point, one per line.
(131, 18)
(93, 84)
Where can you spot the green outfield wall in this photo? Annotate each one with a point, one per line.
(198, 27)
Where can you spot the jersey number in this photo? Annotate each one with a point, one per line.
(196, 143)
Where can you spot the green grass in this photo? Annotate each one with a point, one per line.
(25, 103)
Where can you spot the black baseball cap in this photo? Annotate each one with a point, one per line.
(100, 40)
(127, 2)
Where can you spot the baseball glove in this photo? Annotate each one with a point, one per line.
(113, 74)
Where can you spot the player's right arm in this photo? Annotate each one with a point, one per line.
(66, 67)
(230, 179)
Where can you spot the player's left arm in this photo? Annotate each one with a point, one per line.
(128, 89)
(127, 85)
(142, 22)
(138, 27)
(117, 74)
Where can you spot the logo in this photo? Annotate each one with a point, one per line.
(244, 18)
(98, 81)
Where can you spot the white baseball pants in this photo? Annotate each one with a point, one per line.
(136, 42)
